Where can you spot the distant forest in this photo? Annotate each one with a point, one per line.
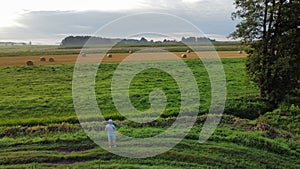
(81, 40)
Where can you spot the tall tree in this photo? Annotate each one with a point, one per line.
(272, 29)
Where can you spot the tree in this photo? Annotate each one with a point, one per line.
(271, 27)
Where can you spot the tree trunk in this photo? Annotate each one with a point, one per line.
(265, 27)
(264, 50)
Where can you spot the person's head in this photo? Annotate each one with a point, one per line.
(110, 121)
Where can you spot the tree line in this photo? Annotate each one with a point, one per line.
(93, 40)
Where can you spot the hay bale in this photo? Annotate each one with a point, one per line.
(51, 60)
(42, 59)
(109, 55)
(183, 55)
(130, 51)
(29, 63)
(188, 51)
(240, 52)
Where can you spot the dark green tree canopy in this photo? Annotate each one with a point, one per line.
(272, 27)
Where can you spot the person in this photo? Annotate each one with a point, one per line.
(111, 128)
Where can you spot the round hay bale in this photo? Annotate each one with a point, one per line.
(183, 55)
(109, 55)
(83, 54)
(130, 51)
(42, 59)
(240, 52)
(51, 60)
(188, 51)
(29, 63)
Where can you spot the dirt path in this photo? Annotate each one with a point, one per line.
(116, 57)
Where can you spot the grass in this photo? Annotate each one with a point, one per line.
(39, 128)
(226, 148)
(42, 94)
(41, 50)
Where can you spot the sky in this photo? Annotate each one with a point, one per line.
(49, 21)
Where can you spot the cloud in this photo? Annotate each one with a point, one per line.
(212, 17)
(56, 24)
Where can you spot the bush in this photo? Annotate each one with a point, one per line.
(246, 109)
(286, 117)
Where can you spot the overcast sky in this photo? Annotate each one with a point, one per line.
(49, 21)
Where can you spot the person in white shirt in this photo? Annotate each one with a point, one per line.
(111, 128)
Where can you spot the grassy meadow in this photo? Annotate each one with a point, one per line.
(39, 127)
(37, 50)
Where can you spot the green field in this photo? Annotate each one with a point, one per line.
(39, 127)
(119, 48)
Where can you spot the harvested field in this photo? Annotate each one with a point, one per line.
(71, 59)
